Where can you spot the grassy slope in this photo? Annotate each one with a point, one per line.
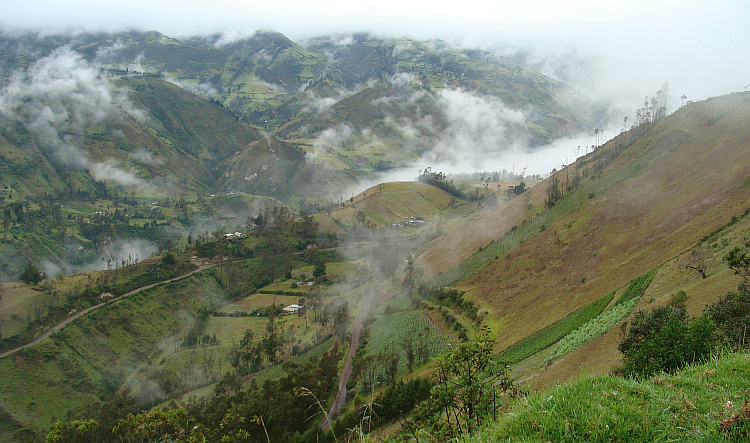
(390, 203)
(191, 124)
(686, 406)
(43, 382)
(630, 226)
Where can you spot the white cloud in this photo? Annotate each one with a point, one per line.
(317, 105)
(696, 45)
(60, 95)
(479, 128)
(334, 137)
(202, 89)
(145, 156)
(337, 136)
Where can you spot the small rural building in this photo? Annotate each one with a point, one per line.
(292, 309)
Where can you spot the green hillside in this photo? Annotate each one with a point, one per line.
(120, 121)
(56, 181)
(151, 157)
(700, 403)
(642, 201)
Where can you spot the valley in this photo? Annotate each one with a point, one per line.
(220, 253)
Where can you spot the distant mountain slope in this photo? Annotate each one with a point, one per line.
(167, 133)
(72, 137)
(643, 199)
(193, 125)
(90, 118)
(267, 166)
(402, 98)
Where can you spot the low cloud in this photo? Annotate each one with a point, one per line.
(127, 249)
(202, 89)
(334, 137)
(110, 170)
(145, 157)
(318, 105)
(60, 96)
(478, 128)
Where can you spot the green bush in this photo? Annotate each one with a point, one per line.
(665, 339)
(731, 315)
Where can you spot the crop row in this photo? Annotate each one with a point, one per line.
(554, 332)
(592, 329)
(398, 303)
(394, 332)
(637, 287)
(606, 320)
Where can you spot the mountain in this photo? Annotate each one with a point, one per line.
(566, 251)
(647, 199)
(98, 122)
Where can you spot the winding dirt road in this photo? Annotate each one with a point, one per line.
(346, 373)
(60, 325)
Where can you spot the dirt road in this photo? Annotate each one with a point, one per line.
(346, 372)
(60, 325)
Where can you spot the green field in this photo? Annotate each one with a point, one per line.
(686, 406)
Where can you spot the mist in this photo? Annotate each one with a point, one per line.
(63, 94)
(637, 45)
(610, 56)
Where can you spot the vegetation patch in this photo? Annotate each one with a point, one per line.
(399, 342)
(592, 329)
(637, 287)
(554, 332)
(689, 405)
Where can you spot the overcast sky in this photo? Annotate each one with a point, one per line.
(700, 47)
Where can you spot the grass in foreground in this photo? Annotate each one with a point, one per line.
(700, 403)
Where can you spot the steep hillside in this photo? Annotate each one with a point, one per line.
(87, 119)
(74, 144)
(192, 126)
(394, 204)
(267, 167)
(156, 131)
(636, 203)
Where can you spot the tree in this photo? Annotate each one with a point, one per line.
(409, 347)
(259, 221)
(75, 431)
(698, 261)
(664, 340)
(469, 382)
(168, 259)
(520, 189)
(731, 315)
(554, 191)
(409, 279)
(319, 270)
(360, 218)
(31, 274)
(157, 425)
(738, 260)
